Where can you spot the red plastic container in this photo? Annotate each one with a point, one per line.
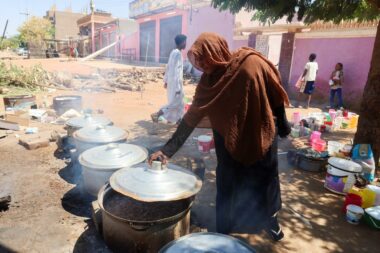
(205, 143)
(319, 145)
(352, 199)
(187, 106)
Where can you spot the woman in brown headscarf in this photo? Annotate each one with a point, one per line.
(241, 94)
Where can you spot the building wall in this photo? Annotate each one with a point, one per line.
(157, 18)
(208, 19)
(66, 24)
(274, 48)
(354, 52)
(238, 43)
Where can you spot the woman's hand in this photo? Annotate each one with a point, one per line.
(158, 156)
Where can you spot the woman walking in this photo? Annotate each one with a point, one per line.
(241, 93)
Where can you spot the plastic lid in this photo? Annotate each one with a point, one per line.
(374, 212)
(204, 138)
(112, 156)
(207, 242)
(100, 134)
(88, 120)
(343, 167)
(156, 183)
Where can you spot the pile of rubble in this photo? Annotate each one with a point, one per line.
(133, 79)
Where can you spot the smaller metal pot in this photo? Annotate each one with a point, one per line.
(101, 162)
(62, 104)
(87, 120)
(207, 242)
(93, 136)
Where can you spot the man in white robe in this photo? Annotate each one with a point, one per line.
(173, 111)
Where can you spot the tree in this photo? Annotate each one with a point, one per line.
(12, 43)
(35, 30)
(336, 11)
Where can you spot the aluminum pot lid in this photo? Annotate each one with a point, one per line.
(157, 183)
(100, 134)
(207, 242)
(344, 165)
(113, 156)
(88, 120)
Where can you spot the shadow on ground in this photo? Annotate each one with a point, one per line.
(90, 241)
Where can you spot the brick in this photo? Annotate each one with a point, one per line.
(34, 142)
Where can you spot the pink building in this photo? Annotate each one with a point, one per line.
(288, 46)
(160, 21)
(348, 43)
(123, 29)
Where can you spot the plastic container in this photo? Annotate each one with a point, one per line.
(354, 214)
(353, 121)
(340, 176)
(376, 190)
(295, 133)
(352, 199)
(372, 217)
(187, 106)
(316, 135)
(204, 143)
(318, 145)
(346, 150)
(332, 113)
(337, 123)
(345, 123)
(334, 147)
(296, 118)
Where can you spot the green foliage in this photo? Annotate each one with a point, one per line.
(308, 10)
(32, 78)
(35, 30)
(12, 43)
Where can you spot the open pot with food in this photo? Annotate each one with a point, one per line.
(144, 208)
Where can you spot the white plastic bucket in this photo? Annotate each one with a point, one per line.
(354, 214)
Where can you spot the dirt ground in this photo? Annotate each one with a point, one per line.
(50, 213)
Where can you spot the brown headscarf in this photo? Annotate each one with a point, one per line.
(238, 93)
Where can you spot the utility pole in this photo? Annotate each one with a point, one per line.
(5, 29)
(92, 7)
(26, 14)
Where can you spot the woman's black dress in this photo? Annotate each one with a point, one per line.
(247, 196)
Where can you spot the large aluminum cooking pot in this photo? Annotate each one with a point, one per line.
(145, 207)
(99, 163)
(207, 242)
(93, 136)
(123, 234)
(77, 123)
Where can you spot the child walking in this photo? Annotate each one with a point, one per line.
(336, 82)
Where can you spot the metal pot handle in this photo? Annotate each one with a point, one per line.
(140, 227)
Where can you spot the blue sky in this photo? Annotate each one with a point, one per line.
(11, 9)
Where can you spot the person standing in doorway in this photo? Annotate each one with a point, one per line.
(336, 82)
(173, 111)
(309, 76)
